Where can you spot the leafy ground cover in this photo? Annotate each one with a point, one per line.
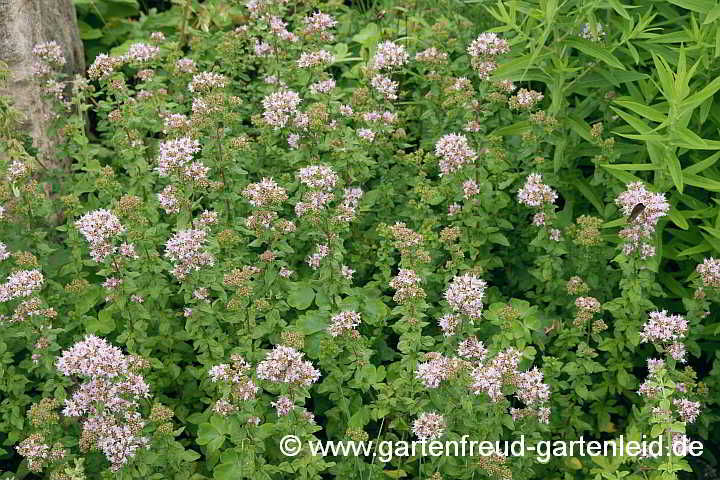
(373, 221)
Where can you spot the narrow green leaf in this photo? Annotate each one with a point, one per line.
(694, 100)
(589, 193)
(694, 250)
(630, 166)
(673, 164)
(518, 65)
(580, 127)
(712, 15)
(648, 112)
(619, 8)
(702, 182)
(702, 6)
(514, 129)
(591, 50)
(678, 219)
(711, 230)
(622, 175)
(686, 138)
(634, 122)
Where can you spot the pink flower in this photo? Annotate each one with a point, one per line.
(388, 55)
(465, 295)
(343, 322)
(429, 426)
(286, 365)
(535, 193)
(454, 152)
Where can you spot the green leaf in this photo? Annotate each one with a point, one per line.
(702, 6)
(514, 129)
(694, 100)
(678, 219)
(686, 138)
(588, 48)
(506, 70)
(695, 250)
(87, 32)
(369, 36)
(209, 434)
(619, 8)
(622, 175)
(648, 112)
(712, 15)
(702, 182)
(101, 325)
(312, 322)
(673, 164)
(702, 165)
(589, 193)
(630, 166)
(635, 122)
(301, 296)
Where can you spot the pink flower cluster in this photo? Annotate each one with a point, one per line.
(206, 81)
(407, 286)
(465, 295)
(185, 65)
(49, 57)
(525, 99)
(278, 27)
(472, 349)
(536, 194)
(168, 199)
(320, 177)
(21, 284)
(316, 201)
(709, 272)
(265, 193)
(483, 51)
(103, 66)
(324, 86)
(108, 398)
(388, 56)
(436, 370)
(488, 44)
(321, 251)
(385, 86)
(448, 323)
(688, 410)
(236, 376)
(666, 330)
(318, 25)
(176, 155)
(502, 371)
(283, 405)
(185, 248)
(286, 365)
(141, 52)
(454, 152)
(344, 322)
(98, 228)
(642, 228)
(279, 107)
(429, 425)
(431, 55)
(319, 58)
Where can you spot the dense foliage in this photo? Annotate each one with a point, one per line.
(377, 221)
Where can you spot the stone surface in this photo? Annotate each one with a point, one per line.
(23, 24)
